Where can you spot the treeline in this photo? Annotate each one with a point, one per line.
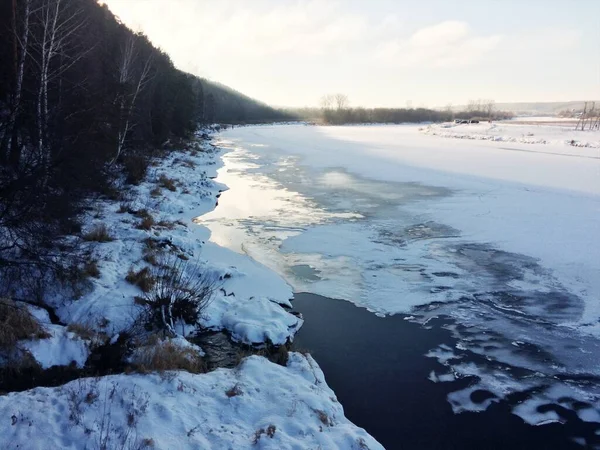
(334, 116)
(235, 107)
(84, 101)
(335, 110)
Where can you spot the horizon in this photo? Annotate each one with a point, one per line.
(384, 54)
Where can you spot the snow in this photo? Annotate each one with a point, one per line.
(500, 235)
(60, 349)
(226, 408)
(549, 131)
(110, 306)
(257, 404)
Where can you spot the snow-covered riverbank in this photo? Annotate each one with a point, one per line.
(258, 403)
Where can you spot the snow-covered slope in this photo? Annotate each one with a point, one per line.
(257, 405)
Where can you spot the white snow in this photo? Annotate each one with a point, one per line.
(256, 405)
(227, 408)
(110, 305)
(60, 349)
(526, 131)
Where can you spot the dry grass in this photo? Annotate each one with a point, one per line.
(233, 392)
(150, 257)
(142, 279)
(91, 269)
(164, 355)
(156, 192)
(84, 331)
(151, 251)
(146, 223)
(169, 225)
(323, 417)
(16, 322)
(270, 432)
(124, 208)
(167, 183)
(189, 163)
(98, 234)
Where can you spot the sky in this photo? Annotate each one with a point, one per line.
(381, 53)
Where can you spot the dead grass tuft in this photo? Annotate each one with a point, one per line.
(84, 331)
(98, 234)
(146, 223)
(270, 432)
(142, 278)
(164, 355)
(233, 392)
(16, 322)
(189, 163)
(91, 269)
(156, 192)
(166, 224)
(167, 183)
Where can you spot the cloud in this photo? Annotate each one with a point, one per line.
(447, 44)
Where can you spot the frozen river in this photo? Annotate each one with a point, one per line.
(503, 243)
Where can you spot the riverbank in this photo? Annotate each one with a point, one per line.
(282, 405)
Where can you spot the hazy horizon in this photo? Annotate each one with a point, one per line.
(382, 53)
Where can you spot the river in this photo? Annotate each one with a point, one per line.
(466, 333)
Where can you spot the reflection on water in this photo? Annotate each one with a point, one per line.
(335, 234)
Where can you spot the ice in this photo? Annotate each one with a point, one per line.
(500, 235)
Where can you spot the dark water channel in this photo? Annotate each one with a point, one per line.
(378, 370)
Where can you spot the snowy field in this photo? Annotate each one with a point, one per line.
(258, 404)
(499, 234)
(525, 130)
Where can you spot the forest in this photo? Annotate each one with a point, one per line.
(85, 102)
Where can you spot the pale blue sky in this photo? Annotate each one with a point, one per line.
(381, 52)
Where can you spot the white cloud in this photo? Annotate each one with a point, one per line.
(446, 44)
(290, 52)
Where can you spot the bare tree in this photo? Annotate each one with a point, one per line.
(20, 53)
(130, 90)
(57, 24)
(341, 101)
(489, 107)
(327, 102)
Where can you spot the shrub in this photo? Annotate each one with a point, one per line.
(98, 234)
(142, 279)
(147, 221)
(16, 322)
(181, 292)
(165, 355)
(155, 192)
(167, 183)
(90, 268)
(136, 167)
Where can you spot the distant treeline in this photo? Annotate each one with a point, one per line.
(84, 103)
(339, 116)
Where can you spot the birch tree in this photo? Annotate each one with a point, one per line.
(20, 53)
(130, 88)
(57, 24)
